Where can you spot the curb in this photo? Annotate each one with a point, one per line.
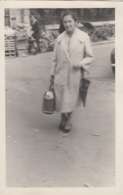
(103, 42)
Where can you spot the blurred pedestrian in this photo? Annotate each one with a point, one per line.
(36, 31)
(72, 54)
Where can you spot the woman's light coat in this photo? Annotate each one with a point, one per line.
(66, 76)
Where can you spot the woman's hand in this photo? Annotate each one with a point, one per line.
(77, 65)
(52, 79)
(51, 82)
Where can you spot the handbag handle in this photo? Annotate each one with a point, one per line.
(51, 87)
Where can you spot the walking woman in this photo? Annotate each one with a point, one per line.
(72, 54)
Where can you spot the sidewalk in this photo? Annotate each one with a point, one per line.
(104, 42)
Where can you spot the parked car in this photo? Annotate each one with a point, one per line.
(112, 57)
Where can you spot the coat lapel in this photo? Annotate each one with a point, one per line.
(64, 46)
(76, 37)
(63, 41)
(73, 42)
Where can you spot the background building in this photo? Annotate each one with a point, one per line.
(52, 16)
(17, 17)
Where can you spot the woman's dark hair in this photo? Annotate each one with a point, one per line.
(66, 13)
(72, 14)
(61, 28)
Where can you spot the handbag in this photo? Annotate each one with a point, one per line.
(84, 85)
(48, 104)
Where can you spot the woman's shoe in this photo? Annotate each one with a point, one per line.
(66, 130)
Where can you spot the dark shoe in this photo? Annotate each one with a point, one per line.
(66, 130)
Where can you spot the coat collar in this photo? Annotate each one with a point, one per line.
(61, 37)
(62, 40)
(78, 35)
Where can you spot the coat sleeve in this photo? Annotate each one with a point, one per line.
(54, 59)
(88, 54)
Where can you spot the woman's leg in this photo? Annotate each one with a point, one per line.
(63, 121)
(69, 118)
(67, 124)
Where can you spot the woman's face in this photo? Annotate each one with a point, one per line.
(69, 23)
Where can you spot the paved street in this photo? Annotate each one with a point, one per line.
(37, 155)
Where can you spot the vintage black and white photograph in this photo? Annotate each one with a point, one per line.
(60, 97)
